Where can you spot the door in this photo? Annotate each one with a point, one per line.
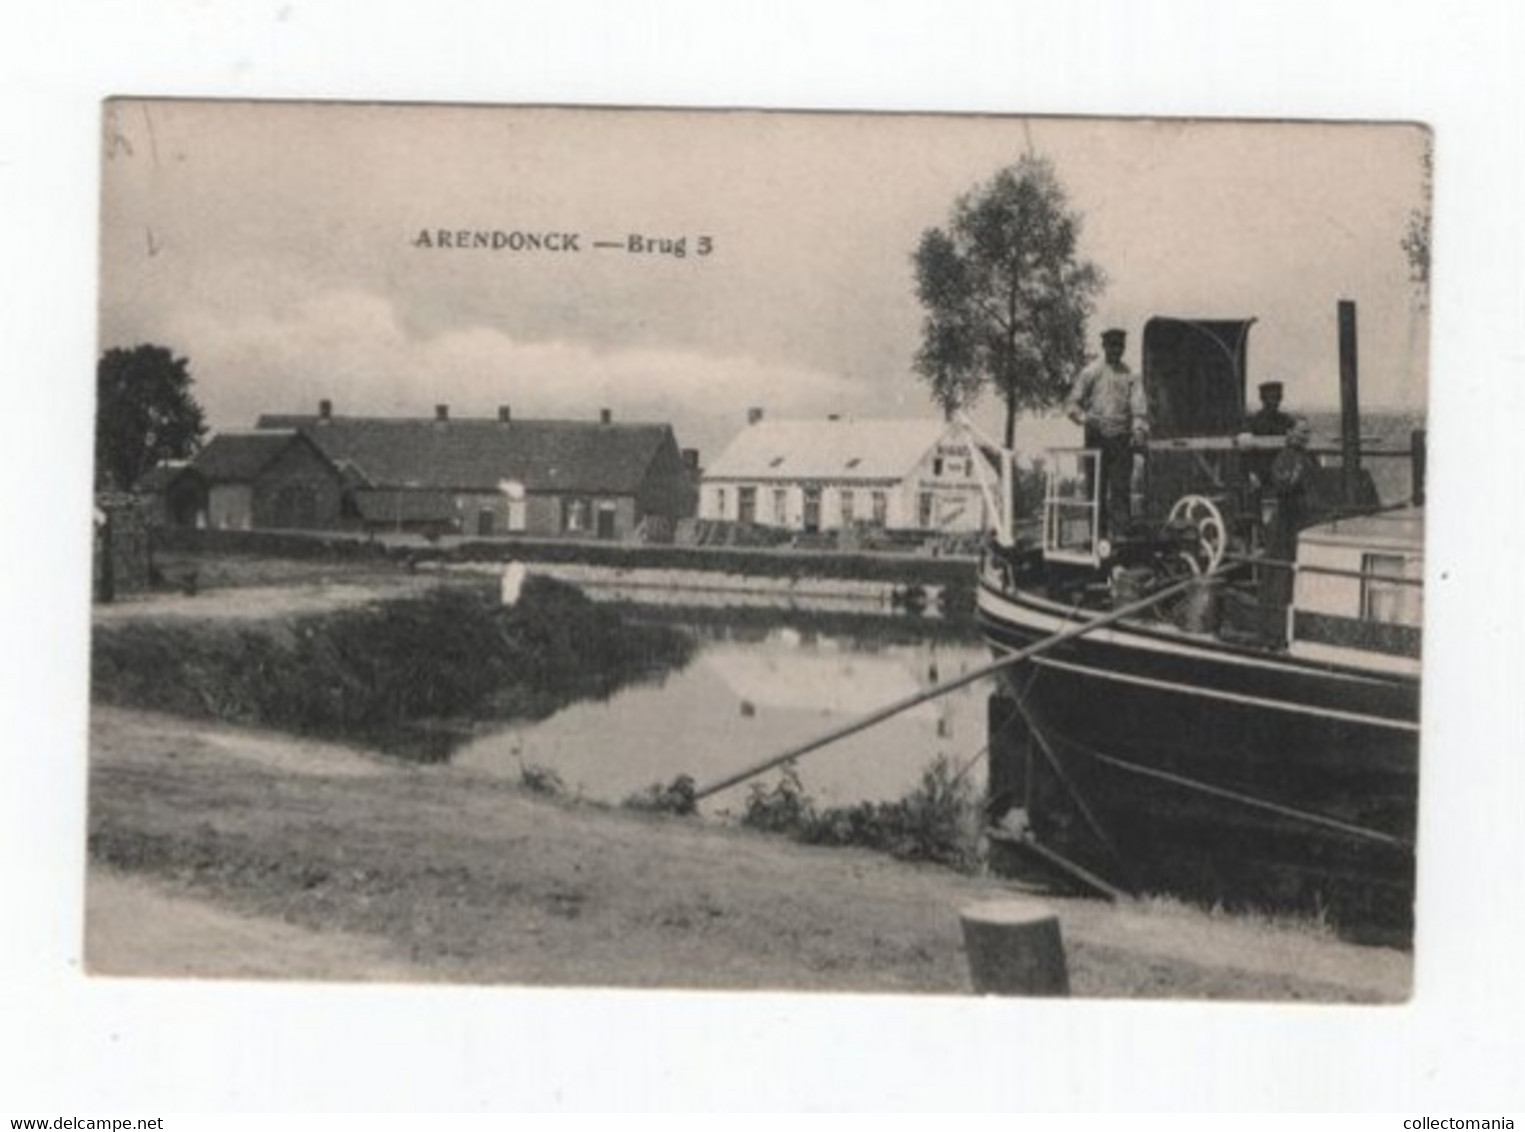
(486, 521)
(812, 509)
(606, 517)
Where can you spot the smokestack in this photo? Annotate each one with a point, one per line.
(503, 414)
(325, 409)
(754, 415)
(442, 413)
(1350, 406)
(605, 416)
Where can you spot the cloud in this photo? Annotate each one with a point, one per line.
(349, 346)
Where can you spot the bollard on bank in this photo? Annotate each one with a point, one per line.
(1015, 948)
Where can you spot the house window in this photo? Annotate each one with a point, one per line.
(577, 516)
(720, 503)
(847, 508)
(746, 505)
(880, 502)
(781, 506)
(937, 465)
(1385, 596)
(924, 510)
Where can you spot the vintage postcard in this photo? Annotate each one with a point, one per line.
(747, 550)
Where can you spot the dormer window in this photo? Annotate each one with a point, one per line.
(775, 462)
(854, 462)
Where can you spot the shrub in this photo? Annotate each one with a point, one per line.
(377, 673)
(542, 780)
(783, 807)
(677, 797)
(938, 821)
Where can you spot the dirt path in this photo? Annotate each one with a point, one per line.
(137, 927)
(287, 858)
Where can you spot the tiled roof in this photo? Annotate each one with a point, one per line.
(238, 457)
(884, 449)
(465, 454)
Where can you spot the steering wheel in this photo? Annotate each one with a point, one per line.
(1202, 513)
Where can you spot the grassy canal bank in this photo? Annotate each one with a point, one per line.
(244, 798)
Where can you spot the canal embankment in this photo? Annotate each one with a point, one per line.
(365, 867)
(873, 583)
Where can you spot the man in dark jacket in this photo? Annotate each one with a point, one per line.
(1293, 484)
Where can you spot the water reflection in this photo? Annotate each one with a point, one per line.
(751, 693)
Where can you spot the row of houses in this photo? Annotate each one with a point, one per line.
(502, 476)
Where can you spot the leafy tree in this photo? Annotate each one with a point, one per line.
(1005, 294)
(1416, 235)
(144, 413)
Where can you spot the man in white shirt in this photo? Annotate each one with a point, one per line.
(1108, 400)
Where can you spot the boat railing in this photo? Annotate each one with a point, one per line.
(1072, 506)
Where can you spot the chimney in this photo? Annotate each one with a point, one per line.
(1350, 406)
(325, 410)
(503, 414)
(754, 415)
(442, 413)
(833, 416)
(605, 416)
(691, 459)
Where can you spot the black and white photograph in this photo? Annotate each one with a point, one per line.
(759, 550)
(705, 558)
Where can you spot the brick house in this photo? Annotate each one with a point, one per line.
(488, 477)
(270, 480)
(174, 494)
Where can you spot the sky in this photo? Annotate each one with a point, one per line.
(281, 248)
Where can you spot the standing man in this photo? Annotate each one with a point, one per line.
(1108, 399)
(1268, 420)
(1293, 483)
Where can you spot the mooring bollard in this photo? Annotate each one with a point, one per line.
(1015, 948)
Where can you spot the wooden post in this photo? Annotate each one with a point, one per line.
(1350, 406)
(1014, 948)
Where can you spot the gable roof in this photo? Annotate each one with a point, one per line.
(479, 454)
(883, 449)
(239, 457)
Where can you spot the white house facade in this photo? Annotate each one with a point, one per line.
(845, 474)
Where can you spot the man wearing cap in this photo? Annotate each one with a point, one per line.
(1108, 399)
(1269, 420)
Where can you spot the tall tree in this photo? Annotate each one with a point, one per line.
(1416, 234)
(144, 413)
(1006, 295)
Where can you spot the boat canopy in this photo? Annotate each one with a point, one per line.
(1194, 375)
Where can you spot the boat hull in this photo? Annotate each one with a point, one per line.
(1167, 760)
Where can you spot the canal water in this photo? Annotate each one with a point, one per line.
(750, 693)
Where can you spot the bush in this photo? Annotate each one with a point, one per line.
(376, 673)
(783, 807)
(677, 797)
(938, 821)
(542, 780)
